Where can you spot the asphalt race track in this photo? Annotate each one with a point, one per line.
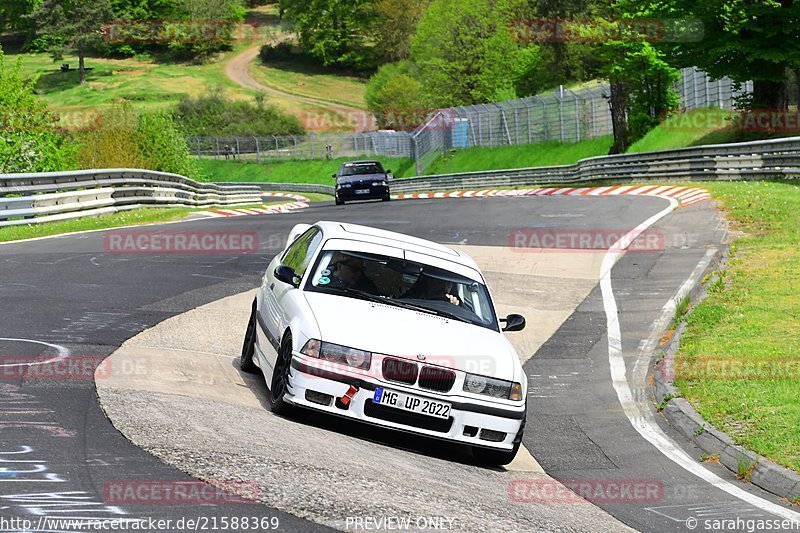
(73, 296)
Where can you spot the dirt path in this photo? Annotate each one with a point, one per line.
(238, 69)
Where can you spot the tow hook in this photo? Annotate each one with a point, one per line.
(344, 401)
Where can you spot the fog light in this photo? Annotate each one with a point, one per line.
(492, 435)
(318, 397)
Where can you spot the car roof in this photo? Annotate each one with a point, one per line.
(342, 230)
(364, 162)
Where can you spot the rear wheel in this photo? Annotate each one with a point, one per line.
(248, 348)
(280, 378)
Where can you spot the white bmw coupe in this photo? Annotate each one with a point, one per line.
(390, 330)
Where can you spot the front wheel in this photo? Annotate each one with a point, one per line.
(387, 197)
(280, 379)
(248, 348)
(338, 201)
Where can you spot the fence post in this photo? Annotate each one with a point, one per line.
(594, 118)
(577, 116)
(546, 122)
(258, 150)
(217, 154)
(198, 148)
(238, 150)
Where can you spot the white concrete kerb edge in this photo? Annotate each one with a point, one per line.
(642, 420)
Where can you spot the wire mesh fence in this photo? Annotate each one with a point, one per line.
(564, 115)
(312, 146)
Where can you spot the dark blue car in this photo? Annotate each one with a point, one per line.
(362, 180)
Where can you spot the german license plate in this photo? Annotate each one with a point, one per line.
(414, 404)
(361, 191)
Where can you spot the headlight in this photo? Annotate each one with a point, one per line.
(345, 185)
(496, 388)
(337, 354)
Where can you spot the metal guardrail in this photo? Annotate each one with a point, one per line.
(772, 159)
(51, 196)
(291, 187)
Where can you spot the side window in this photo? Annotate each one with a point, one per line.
(299, 254)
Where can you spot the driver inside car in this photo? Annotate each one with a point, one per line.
(348, 272)
(429, 288)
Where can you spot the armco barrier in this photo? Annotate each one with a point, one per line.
(772, 159)
(292, 187)
(50, 196)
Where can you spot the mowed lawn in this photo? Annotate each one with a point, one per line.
(739, 362)
(312, 171)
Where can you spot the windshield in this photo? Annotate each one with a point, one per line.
(361, 169)
(403, 283)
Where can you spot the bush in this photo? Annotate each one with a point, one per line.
(281, 51)
(30, 140)
(124, 138)
(394, 97)
(214, 114)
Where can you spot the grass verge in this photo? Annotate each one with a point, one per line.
(739, 362)
(531, 155)
(133, 217)
(114, 220)
(312, 171)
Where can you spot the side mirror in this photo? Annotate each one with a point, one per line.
(333, 176)
(514, 322)
(388, 171)
(286, 274)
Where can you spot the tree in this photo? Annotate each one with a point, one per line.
(755, 40)
(464, 51)
(394, 96)
(13, 14)
(30, 140)
(332, 31)
(642, 90)
(76, 26)
(393, 22)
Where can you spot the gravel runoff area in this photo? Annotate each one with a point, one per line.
(175, 390)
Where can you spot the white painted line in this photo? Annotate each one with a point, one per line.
(642, 420)
(639, 373)
(62, 352)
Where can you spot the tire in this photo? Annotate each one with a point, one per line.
(280, 378)
(488, 457)
(338, 201)
(387, 197)
(248, 348)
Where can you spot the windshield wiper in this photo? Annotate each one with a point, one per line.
(424, 309)
(364, 295)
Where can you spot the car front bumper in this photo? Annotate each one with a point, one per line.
(374, 193)
(468, 417)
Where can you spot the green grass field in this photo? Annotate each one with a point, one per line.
(313, 81)
(315, 171)
(739, 362)
(530, 155)
(150, 83)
